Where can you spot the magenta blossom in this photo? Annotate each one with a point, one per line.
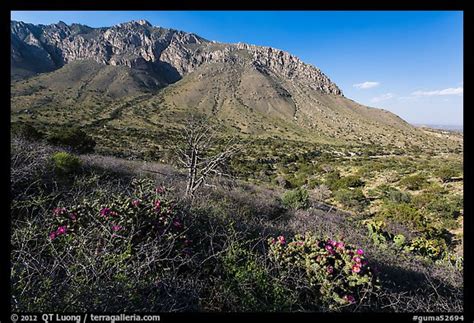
(61, 230)
(116, 227)
(328, 247)
(340, 245)
(330, 269)
(356, 268)
(52, 235)
(332, 242)
(136, 203)
(281, 240)
(360, 251)
(157, 205)
(357, 259)
(105, 211)
(59, 211)
(349, 298)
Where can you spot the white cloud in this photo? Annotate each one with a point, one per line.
(448, 91)
(366, 85)
(383, 97)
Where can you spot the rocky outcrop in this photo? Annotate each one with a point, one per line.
(138, 44)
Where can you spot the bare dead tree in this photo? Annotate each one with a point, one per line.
(199, 138)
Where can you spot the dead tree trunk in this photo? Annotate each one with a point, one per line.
(198, 137)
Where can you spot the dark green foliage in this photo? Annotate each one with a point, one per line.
(352, 199)
(446, 173)
(404, 213)
(296, 199)
(26, 131)
(394, 195)
(74, 138)
(65, 163)
(351, 181)
(332, 180)
(414, 182)
(249, 285)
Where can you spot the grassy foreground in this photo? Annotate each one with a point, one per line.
(99, 233)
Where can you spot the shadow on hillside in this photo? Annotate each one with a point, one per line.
(402, 279)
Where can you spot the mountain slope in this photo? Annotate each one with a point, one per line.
(141, 77)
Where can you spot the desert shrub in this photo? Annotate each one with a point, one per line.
(414, 182)
(404, 213)
(321, 192)
(331, 179)
(65, 163)
(74, 138)
(250, 286)
(397, 196)
(105, 245)
(392, 194)
(446, 173)
(446, 207)
(353, 199)
(26, 131)
(297, 179)
(336, 274)
(313, 183)
(296, 199)
(351, 181)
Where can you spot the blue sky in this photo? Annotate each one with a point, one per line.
(408, 62)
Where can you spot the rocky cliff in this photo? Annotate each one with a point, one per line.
(139, 45)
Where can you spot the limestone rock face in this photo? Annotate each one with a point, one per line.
(138, 44)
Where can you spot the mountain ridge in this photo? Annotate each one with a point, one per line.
(76, 74)
(138, 43)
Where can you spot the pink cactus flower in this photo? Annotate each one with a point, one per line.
(61, 230)
(116, 227)
(105, 211)
(340, 245)
(357, 259)
(136, 203)
(360, 251)
(355, 269)
(59, 211)
(329, 248)
(330, 269)
(157, 205)
(332, 242)
(281, 240)
(52, 235)
(349, 298)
